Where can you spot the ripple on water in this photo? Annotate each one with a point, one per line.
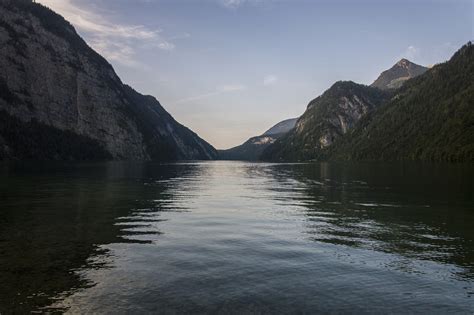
(231, 237)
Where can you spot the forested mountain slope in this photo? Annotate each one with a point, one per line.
(430, 118)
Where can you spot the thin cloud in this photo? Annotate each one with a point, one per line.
(116, 42)
(232, 4)
(219, 90)
(235, 4)
(270, 80)
(181, 36)
(231, 88)
(411, 53)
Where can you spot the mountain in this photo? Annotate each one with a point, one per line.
(431, 118)
(253, 148)
(59, 99)
(394, 77)
(282, 127)
(327, 118)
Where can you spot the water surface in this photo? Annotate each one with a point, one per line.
(235, 237)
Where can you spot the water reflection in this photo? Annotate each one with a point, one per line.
(56, 217)
(232, 237)
(413, 210)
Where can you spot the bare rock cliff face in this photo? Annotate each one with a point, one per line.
(336, 112)
(397, 75)
(327, 118)
(50, 76)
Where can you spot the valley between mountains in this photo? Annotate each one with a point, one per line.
(61, 100)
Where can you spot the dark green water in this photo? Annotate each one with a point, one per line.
(231, 237)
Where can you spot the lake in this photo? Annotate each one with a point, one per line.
(236, 237)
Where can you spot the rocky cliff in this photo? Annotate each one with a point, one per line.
(326, 118)
(394, 77)
(59, 99)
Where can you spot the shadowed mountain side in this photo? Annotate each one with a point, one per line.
(282, 127)
(52, 80)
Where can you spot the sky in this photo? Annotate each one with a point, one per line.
(230, 69)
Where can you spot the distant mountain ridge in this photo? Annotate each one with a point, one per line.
(326, 119)
(282, 127)
(429, 117)
(59, 99)
(251, 149)
(394, 77)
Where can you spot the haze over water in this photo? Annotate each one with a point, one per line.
(235, 237)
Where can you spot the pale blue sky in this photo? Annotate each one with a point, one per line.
(230, 69)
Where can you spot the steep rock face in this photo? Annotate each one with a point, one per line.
(394, 77)
(163, 136)
(327, 118)
(253, 148)
(430, 118)
(50, 76)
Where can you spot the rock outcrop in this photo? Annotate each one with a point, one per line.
(394, 77)
(326, 118)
